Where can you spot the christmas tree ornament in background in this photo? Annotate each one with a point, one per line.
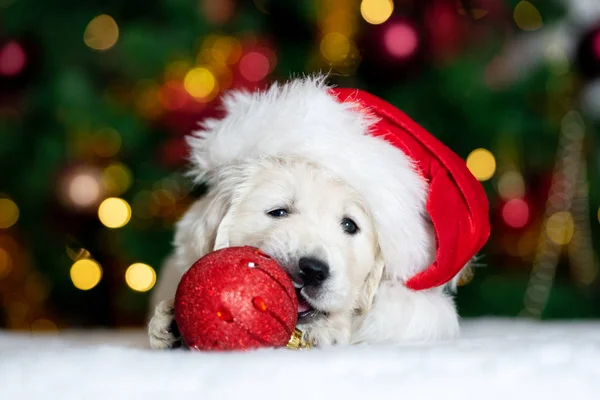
(237, 298)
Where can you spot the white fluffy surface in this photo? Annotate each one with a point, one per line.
(494, 359)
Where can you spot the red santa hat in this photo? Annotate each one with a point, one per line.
(423, 198)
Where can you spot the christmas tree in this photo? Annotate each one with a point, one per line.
(96, 98)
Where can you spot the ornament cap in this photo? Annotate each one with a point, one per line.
(296, 341)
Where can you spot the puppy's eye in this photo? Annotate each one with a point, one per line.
(279, 213)
(349, 226)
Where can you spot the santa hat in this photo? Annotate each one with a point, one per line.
(406, 176)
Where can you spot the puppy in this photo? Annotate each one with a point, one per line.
(297, 173)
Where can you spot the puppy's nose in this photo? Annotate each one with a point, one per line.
(313, 271)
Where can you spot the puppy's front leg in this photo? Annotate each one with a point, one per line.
(162, 330)
(333, 330)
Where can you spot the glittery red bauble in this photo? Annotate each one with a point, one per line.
(235, 299)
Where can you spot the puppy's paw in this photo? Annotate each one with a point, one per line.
(162, 329)
(333, 331)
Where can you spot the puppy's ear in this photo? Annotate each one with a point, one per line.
(369, 289)
(196, 232)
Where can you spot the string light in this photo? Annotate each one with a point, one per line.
(12, 59)
(560, 227)
(114, 212)
(140, 277)
(482, 164)
(101, 33)
(335, 47)
(376, 12)
(527, 17)
(85, 274)
(9, 213)
(200, 83)
(515, 213)
(401, 40)
(254, 66)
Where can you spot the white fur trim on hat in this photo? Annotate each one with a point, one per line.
(301, 118)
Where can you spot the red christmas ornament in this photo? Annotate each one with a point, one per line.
(236, 298)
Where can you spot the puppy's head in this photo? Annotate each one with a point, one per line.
(316, 226)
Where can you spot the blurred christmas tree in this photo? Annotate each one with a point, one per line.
(97, 96)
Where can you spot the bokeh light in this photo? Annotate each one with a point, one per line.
(107, 142)
(515, 213)
(511, 185)
(401, 40)
(117, 178)
(254, 66)
(6, 263)
(9, 213)
(43, 325)
(226, 50)
(596, 45)
(200, 82)
(335, 47)
(172, 95)
(83, 188)
(12, 59)
(376, 11)
(140, 277)
(482, 164)
(85, 274)
(114, 212)
(527, 17)
(101, 33)
(560, 227)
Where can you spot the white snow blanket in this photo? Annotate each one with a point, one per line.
(494, 359)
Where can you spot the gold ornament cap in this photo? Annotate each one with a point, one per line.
(296, 342)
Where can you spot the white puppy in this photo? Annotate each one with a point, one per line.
(299, 203)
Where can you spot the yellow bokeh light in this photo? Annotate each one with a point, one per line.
(117, 178)
(226, 50)
(101, 33)
(114, 212)
(85, 274)
(376, 11)
(560, 227)
(199, 82)
(527, 17)
(140, 277)
(5, 263)
(9, 213)
(482, 164)
(511, 185)
(335, 47)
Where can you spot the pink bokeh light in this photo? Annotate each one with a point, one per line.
(254, 66)
(515, 213)
(596, 45)
(401, 40)
(12, 59)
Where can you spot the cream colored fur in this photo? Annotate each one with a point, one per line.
(295, 146)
